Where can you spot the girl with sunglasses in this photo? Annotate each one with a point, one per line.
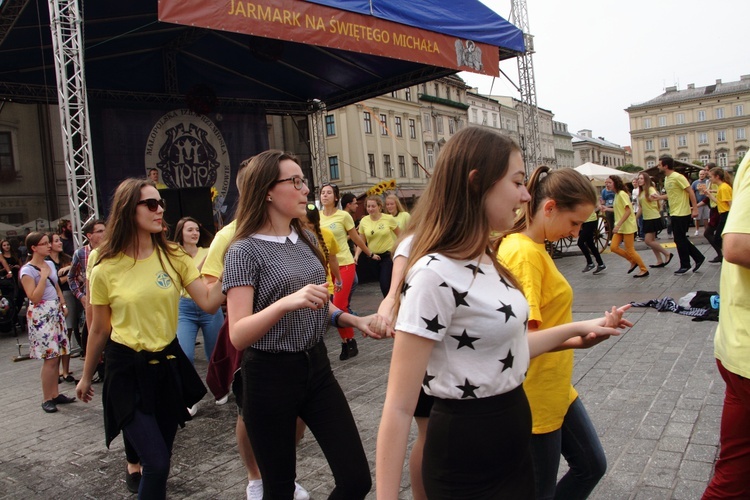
(461, 332)
(278, 312)
(341, 224)
(135, 279)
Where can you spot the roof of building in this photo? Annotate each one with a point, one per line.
(672, 95)
(600, 142)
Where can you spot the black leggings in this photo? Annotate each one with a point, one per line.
(586, 242)
(278, 388)
(713, 233)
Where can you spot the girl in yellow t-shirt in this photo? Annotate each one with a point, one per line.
(134, 287)
(625, 226)
(561, 201)
(327, 244)
(394, 207)
(652, 221)
(720, 194)
(379, 231)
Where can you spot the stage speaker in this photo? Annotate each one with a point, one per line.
(188, 202)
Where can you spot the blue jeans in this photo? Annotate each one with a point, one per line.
(191, 317)
(577, 441)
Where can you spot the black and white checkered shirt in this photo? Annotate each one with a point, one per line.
(276, 267)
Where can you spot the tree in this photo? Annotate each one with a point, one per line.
(630, 168)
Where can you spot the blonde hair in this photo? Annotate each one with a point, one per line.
(399, 207)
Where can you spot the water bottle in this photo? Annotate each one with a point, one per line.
(715, 301)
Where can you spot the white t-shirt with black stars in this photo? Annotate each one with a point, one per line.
(477, 320)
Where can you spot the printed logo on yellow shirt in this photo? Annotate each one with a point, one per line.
(163, 280)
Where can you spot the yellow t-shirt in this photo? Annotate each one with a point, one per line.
(214, 264)
(594, 215)
(622, 201)
(732, 341)
(142, 296)
(679, 200)
(402, 218)
(333, 249)
(649, 207)
(197, 260)
(379, 234)
(548, 380)
(340, 223)
(723, 197)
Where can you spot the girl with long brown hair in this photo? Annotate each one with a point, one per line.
(650, 209)
(720, 195)
(461, 332)
(62, 262)
(625, 226)
(278, 311)
(135, 280)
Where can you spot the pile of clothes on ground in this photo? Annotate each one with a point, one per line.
(701, 305)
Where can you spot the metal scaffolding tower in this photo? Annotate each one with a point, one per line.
(67, 44)
(531, 142)
(318, 140)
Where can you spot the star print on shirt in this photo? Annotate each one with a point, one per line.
(459, 297)
(465, 340)
(526, 323)
(443, 285)
(502, 280)
(432, 257)
(507, 309)
(426, 380)
(468, 389)
(507, 361)
(405, 288)
(433, 325)
(474, 269)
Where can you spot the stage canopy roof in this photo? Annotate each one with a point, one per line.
(277, 54)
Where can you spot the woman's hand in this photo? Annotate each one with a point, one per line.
(44, 272)
(374, 256)
(84, 390)
(311, 296)
(614, 317)
(374, 325)
(337, 286)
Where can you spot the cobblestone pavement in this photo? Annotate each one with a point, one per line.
(654, 395)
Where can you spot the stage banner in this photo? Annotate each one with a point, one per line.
(303, 22)
(186, 148)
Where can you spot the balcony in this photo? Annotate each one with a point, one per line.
(444, 102)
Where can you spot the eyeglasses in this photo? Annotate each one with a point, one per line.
(334, 186)
(311, 206)
(153, 204)
(297, 181)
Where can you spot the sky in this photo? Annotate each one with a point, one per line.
(594, 58)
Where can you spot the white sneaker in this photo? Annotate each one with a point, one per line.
(254, 489)
(300, 493)
(223, 401)
(193, 410)
(696, 233)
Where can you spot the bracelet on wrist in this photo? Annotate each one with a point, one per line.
(335, 318)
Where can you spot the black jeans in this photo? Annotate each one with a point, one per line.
(587, 244)
(685, 248)
(152, 437)
(713, 233)
(278, 388)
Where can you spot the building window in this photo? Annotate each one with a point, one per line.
(494, 120)
(448, 93)
(484, 118)
(399, 131)
(741, 154)
(701, 116)
(649, 145)
(387, 169)
(721, 135)
(439, 124)
(412, 128)
(383, 124)
(682, 140)
(739, 110)
(702, 137)
(437, 90)
(401, 166)
(451, 126)
(740, 134)
(722, 160)
(662, 121)
(7, 162)
(368, 123)
(680, 117)
(647, 123)
(650, 163)
(474, 116)
(430, 158)
(719, 113)
(664, 143)
(427, 123)
(703, 158)
(330, 125)
(394, 94)
(333, 167)
(415, 166)
(407, 93)
(371, 163)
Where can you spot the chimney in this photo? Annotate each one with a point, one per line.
(584, 133)
(692, 85)
(718, 81)
(671, 89)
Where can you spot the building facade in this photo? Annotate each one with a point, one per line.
(564, 154)
(444, 112)
(546, 134)
(487, 112)
(587, 148)
(708, 123)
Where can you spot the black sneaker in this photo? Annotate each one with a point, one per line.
(344, 351)
(599, 268)
(682, 270)
(49, 406)
(132, 481)
(717, 260)
(699, 263)
(353, 350)
(588, 268)
(62, 399)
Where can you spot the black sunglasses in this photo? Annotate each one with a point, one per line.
(153, 204)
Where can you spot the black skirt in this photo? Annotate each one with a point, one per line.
(652, 225)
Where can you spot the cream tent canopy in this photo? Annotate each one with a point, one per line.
(599, 173)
